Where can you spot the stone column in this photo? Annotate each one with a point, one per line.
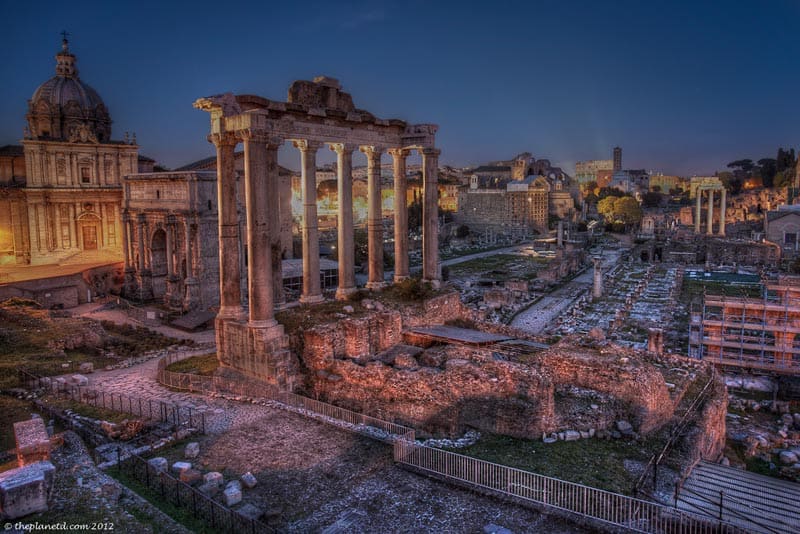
(173, 297)
(230, 298)
(430, 215)
(597, 286)
(145, 276)
(259, 254)
(274, 208)
(125, 246)
(285, 182)
(190, 298)
(374, 219)
(344, 165)
(722, 213)
(169, 228)
(400, 214)
(188, 245)
(312, 289)
(697, 211)
(710, 222)
(140, 219)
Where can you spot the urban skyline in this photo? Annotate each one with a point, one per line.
(684, 89)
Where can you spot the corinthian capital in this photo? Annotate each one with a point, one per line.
(304, 145)
(250, 135)
(223, 139)
(399, 152)
(342, 148)
(373, 153)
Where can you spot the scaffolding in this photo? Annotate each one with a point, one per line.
(759, 334)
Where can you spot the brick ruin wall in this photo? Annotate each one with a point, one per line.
(363, 364)
(611, 371)
(439, 391)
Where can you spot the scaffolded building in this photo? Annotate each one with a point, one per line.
(759, 334)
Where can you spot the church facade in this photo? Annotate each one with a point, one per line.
(61, 192)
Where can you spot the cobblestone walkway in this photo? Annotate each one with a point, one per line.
(140, 381)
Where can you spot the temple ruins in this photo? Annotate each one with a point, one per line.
(315, 114)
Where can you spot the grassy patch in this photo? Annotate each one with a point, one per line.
(594, 462)
(11, 411)
(204, 365)
(307, 316)
(31, 338)
(410, 290)
(127, 341)
(87, 410)
(693, 290)
(181, 515)
(500, 267)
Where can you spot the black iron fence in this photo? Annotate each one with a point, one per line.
(202, 507)
(146, 409)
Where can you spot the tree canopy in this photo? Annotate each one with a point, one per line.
(623, 209)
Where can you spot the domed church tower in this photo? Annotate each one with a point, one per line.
(65, 108)
(74, 172)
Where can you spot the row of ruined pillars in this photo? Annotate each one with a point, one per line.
(710, 207)
(263, 213)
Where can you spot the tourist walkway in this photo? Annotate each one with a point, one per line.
(754, 502)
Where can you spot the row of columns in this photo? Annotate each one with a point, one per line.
(263, 218)
(710, 218)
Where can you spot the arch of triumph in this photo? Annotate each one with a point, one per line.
(315, 114)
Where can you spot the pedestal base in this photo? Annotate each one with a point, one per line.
(130, 287)
(145, 290)
(173, 298)
(376, 286)
(343, 293)
(312, 299)
(257, 350)
(191, 295)
(434, 282)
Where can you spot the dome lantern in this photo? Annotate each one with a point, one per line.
(64, 108)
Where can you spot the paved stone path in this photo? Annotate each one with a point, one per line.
(139, 381)
(541, 314)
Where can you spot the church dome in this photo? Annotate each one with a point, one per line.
(64, 108)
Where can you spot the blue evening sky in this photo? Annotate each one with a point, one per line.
(683, 87)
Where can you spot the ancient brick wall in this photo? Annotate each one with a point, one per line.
(497, 397)
(706, 438)
(613, 371)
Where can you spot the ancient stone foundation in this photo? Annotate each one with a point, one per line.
(26, 490)
(373, 364)
(259, 352)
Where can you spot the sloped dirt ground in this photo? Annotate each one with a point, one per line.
(312, 476)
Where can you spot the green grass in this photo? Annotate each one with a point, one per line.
(11, 411)
(694, 290)
(87, 410)
(593, 462)
(181, 515)
(29, 337)
(204, 365)
(500, 266)
(307, 316)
